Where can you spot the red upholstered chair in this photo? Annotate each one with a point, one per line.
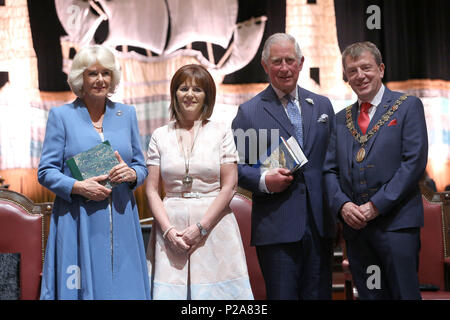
(242, 208)
(22, 231)
(434, 257)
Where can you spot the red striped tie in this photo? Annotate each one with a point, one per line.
(363, 118)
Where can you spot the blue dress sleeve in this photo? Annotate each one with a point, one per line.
(51, 166)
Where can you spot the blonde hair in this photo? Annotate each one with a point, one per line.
(87, 57)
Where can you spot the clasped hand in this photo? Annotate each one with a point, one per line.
(92, 188)
(185, 241)
(358, 216)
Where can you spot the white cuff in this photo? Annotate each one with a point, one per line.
(262, 183)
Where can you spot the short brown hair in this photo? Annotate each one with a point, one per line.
(198, 74)
(356, 49)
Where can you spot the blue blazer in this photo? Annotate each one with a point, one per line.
(69, 131)
(281, 217)
(396, 157)
(100, 239)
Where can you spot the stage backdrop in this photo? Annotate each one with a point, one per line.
(152, 39)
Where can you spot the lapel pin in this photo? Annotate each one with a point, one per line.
(119, 113)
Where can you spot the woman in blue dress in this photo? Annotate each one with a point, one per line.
(95, 247)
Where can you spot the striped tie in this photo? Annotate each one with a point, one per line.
(296, 119)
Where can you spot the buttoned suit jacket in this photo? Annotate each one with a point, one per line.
(396, 157)
(281, 217)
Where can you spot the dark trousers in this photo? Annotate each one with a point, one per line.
(395, 254)
(299, 270)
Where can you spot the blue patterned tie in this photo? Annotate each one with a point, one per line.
(296, 119)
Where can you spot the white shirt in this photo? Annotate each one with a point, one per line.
(294, 96)
(375, 102)
(281, 95)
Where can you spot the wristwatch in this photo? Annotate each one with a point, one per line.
(202, 230)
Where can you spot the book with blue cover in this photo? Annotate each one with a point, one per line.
(287, 154)
(96, 161)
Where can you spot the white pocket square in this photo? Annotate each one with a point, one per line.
(323, 118)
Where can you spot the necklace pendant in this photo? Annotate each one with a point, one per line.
(361, 154)
(187, 180)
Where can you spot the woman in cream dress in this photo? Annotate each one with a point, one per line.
(195, 251)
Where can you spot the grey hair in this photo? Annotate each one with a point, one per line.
(87, 57)
(356, 49)
(276, 38)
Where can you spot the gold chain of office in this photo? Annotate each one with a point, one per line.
(362, 139)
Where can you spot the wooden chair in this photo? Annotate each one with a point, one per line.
(22, 225)
(434, 256)
(242, 207)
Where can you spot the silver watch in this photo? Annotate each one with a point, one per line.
(202, 230)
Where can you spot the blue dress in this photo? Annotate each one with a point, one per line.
(94, 249)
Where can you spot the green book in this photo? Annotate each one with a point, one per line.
(96, 161)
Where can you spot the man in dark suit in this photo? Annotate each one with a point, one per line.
(375, 159)
(290, 229)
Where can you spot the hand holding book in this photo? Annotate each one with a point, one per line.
(280, 162)
(98, 170)
(122, 172)
(92, 188)
(287, 154)
(278, 179)
(97, 161)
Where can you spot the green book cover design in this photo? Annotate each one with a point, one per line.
(96, 161)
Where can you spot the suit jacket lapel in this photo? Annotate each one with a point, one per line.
(307, 115)
(351, 139)
(382, 108)
(274, 107)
